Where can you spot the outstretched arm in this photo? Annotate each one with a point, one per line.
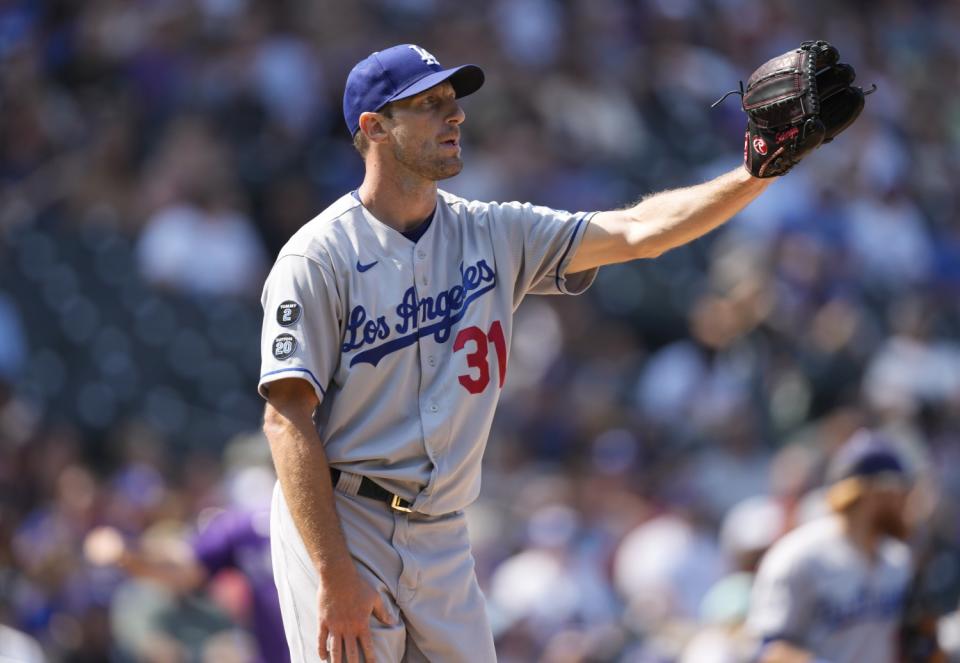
(665, 220)
(174, 566)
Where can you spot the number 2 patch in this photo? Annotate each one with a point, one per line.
(284, 345)
(288, 313)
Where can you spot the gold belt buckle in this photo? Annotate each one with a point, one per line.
(396, 506)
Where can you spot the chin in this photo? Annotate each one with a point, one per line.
(454, 171)
(896, 528)
(447, 169)
(433, 165)
(440, 170)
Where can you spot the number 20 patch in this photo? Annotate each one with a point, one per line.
(284, 345)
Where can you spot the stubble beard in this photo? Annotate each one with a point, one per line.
(892, 523)
(424, 162)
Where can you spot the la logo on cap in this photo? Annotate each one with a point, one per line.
(394, 73)
(425, 55)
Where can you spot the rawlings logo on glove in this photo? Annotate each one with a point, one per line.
(795, 103)
(759, 146)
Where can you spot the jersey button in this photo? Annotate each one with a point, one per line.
(425, 280)
(431, 360)
(434, 407)
(421, 254)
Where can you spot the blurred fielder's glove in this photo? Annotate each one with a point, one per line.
(795, 103)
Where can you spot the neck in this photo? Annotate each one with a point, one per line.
(397, 198)
(860, 532)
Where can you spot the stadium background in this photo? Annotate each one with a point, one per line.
(155, 155)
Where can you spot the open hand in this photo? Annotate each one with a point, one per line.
(345, 604)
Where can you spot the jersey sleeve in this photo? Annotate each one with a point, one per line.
(781, 602)
(540, 242)
(301, 324)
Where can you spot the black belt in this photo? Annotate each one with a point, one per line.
(374, 491)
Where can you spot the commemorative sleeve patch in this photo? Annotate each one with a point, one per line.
(288, 313)
(284, 345)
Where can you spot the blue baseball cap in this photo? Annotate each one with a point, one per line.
(866, 454)
(397, 73)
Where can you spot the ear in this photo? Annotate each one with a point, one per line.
(371, 124)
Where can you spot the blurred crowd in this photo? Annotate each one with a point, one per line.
(655, 435)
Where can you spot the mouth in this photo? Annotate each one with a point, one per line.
(453, 143)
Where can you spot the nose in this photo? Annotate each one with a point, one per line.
(457, 116)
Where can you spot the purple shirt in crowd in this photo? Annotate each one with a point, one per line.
(240, 540)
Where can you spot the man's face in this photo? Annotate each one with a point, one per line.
(425, 132)
(888, 500)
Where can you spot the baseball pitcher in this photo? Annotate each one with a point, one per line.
(387, 326)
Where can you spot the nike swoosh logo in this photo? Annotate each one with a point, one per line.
(363, 268)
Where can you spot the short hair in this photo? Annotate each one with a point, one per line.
(842, 495)
(360, 142)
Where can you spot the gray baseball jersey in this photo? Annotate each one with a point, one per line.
(818, 591)
(406, 343)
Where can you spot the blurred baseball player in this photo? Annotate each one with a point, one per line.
(388, 321)
(834, 588)
(233, 539)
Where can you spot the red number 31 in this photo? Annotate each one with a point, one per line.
(477, 359)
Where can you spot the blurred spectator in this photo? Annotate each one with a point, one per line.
(232, 539)
(13, 342)
(747, 532)
(664, 569)
(200, 248)
(198, 242)
(889, 241)
(19, 647)
(749, 529)
(554, 581)
(733, 467)
(913, 369)
(289, 82)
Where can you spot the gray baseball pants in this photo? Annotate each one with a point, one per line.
(420, 565)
